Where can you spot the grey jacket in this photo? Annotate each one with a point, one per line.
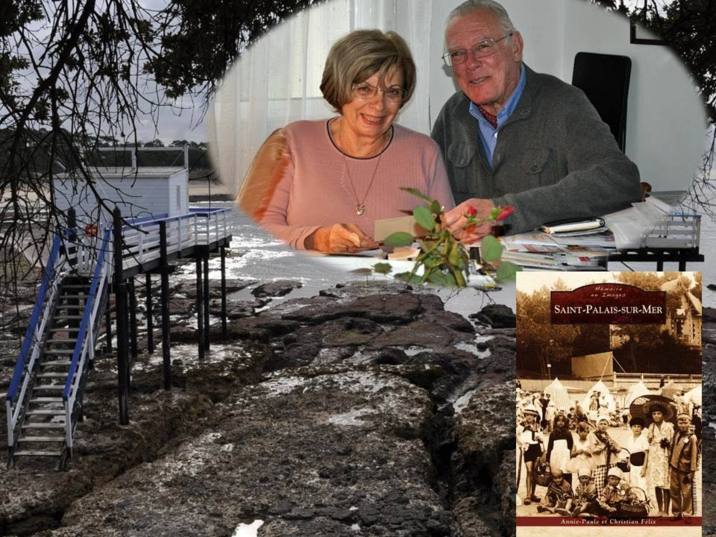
(554, 159)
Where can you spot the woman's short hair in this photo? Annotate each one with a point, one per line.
(559, 417)
(359, 55)
(636, 421)
(582, 427)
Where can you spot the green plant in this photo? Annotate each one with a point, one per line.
(444, 259)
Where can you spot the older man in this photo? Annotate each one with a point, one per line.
(511, 136)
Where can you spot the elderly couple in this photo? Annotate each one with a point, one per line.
(510, 136)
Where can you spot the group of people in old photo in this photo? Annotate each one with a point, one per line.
(596, 459)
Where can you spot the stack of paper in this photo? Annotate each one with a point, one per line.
(566, 228)
(546, 251)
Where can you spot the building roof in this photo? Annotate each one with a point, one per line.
(148, 172)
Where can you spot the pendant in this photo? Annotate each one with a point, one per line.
(360, 209)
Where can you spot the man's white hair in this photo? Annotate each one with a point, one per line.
(470, 6)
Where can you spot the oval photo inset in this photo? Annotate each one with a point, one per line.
(333, 132)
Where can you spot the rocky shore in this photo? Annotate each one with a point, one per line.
(367, 410)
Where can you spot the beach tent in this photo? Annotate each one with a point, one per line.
(558, 394)
(636, 390)
(606, 399)
(694, 396)
(670, 390)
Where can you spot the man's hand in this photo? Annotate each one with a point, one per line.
(456, 220)
(339, 238)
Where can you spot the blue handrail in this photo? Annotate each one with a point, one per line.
(192, 212)
(89, 305)
(207, 209)
(47, 277)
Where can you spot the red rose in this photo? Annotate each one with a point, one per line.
(471, 211)
(505, 212)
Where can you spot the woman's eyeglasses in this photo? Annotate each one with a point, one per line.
(366, 91)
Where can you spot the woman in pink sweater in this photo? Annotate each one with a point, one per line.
(321, 185)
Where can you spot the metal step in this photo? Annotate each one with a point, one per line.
(46, 412)
(36, 453)
(59, 351)
(41, 439)
(67, 317)
(59, 339)
(56, 363)
(51, 375)
(48, 387)
(46, 400)
(44, 425)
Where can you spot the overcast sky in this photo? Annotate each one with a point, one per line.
(183, 122)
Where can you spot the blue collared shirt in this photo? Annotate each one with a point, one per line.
(488, 134)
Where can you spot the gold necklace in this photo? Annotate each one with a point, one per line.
(360, 203)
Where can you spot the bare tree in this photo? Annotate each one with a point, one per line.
(76, 76)
(75, 80)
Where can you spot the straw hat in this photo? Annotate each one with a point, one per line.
(531, 409)
(615, 472)
(666, 409)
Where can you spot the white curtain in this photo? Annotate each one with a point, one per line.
(276, 81)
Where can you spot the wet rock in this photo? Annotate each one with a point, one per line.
(484, 434)
(389, 308)
(441, 372)
(103, 450)
(276, 288)
(15, 319)
(496, 316)
(179, 306)
(486, 426)
(469, 522)
(355, 289)
(259, 327)
(309, 455)
(346, 331)
(236, 309)
(421, 333)
(183, 333)
(188, 287)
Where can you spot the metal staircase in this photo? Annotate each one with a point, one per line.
(44, 401)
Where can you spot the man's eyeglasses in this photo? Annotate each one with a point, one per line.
(483, 49)
(366, 91)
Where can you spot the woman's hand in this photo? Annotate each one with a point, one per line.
(456, 220)
(339, 238)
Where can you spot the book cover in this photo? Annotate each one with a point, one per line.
(609, 404)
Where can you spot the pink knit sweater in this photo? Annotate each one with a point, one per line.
(315, 189)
